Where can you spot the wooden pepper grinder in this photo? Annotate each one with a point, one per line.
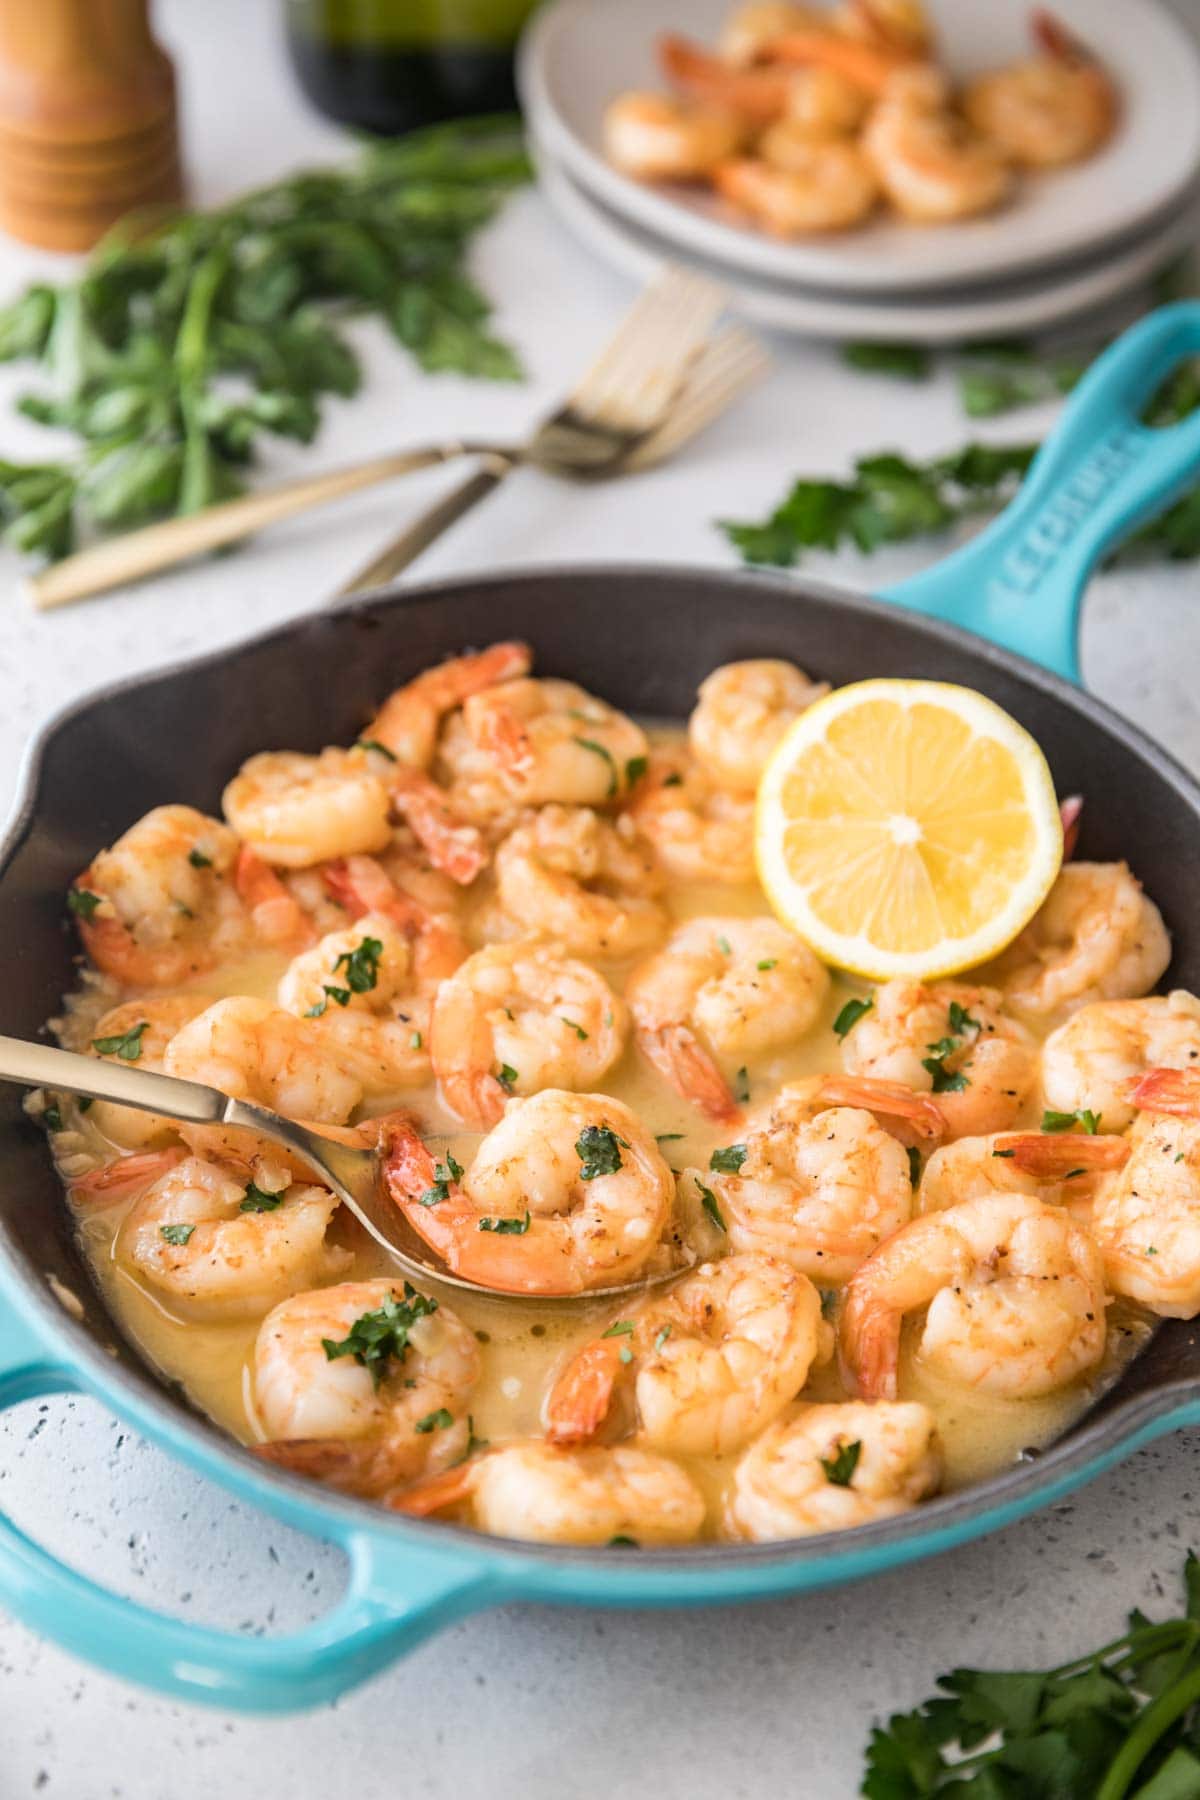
(88, 126)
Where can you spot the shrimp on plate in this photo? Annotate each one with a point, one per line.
(567, 1192)
(930, 162)
(162, 906)
(742, 711)
(722, 992)
(138, 1031)
(832, 1467)
(517, 1018)
(549, 1495)
(700, 832)
(223, 1240)
(655, 137)
(591, 884)
(1056, 108)
(799, 184)
(365, 1385)
(709, 1364)
(1093, 1061)
(951, 1040)
(1012, 1291)
(820, 1190)
(1096, 936)
(1146, 1217)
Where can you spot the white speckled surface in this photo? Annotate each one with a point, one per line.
(743, 1702)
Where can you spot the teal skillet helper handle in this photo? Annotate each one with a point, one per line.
(397, 1594)
(1099, 475)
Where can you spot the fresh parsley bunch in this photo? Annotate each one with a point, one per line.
(187, 338)
(1120, 1724)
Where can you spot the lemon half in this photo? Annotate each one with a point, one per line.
(907, 828)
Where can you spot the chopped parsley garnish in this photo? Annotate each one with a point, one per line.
(506, 1075)
(474, 1444)
(724, 946)
(82, 902)
(1004, 1153)
(176, 1234)
(850, 1014)
(961, 1021)
(942, 1079)
(768, 962)
(674, 779)
(435, 1421)
(340, 994)
(127, 1045)
(599, 1150)
(625, 1354)
(198, 859)
(506, 1227)
(443, 1175)
(619, 1328)
(669, 1137)
(729, 1160)
(374, 744)
(52, 1116)
(415, 1041)
(914, 1164)
(742, 1089)
(379, 1337)
(839, 1469)
(635, 768)
(86, 1104)
(623, 1543)
(258, 1200)
(361, 966)
(1068, 1121)
(708, 1201)
(662, 1337)
(580, 1033)
(599, 750)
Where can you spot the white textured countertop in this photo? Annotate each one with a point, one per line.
(711, 1705)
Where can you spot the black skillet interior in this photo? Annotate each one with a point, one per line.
(641, 637)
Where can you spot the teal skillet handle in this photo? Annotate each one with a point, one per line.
(1099, 475)
(396, 1595)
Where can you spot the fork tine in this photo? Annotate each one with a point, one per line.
(728, 364)
(638, 374)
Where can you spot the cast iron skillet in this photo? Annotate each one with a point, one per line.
(643, 638)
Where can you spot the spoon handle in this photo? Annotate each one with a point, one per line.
(41, 1065)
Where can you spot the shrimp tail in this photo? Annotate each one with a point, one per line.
(1057, 1155)
(277, 917)
(437, 1492)
(356, 1466)
(453, 846)
(581, 1398)
(890, 1098)
(1071, 813)
(760, 94)
(679, 1057)
(869, 1346)
(1053, 38)
(475, 1095)
(498, 731)
(867, 66)
(1175, 1091)
(115, 1178)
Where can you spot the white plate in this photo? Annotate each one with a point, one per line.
(941, 320)
(577, 54)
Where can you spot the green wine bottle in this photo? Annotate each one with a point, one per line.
(388, 65)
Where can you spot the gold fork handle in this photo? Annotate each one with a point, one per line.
(425, 530)
(140, 553)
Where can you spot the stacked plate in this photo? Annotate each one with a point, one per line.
(1072, 240)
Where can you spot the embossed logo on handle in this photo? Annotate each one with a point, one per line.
(1063, 516)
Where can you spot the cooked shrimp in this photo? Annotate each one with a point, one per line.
(228, 1241)
(408, 722)
(276, 914)
(1014, 1292)
(829, 1468)
(1093, 1060)
(517, 1018)
(161, 905)
(138, 1031)
(952, 1040)
(295, 810)
(362, 886)
(932, 165)
(801, 184)
(364, 1386)
(821, 104)
(1146, 1217)
(750, 29)
(453, 844)
(551, 741)
(1063, 1167)
(252, 1051)
(699, 832)
(897, 25)
(743, 710)
(753, 95)
(1057, 108)
(1095, 937)
(710, 1363)
(653, 137)
(567, 1192)
(590, 884)
(721, 992)
(548, 1495)
(358, 987)
(819, 1192)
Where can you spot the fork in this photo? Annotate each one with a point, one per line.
(724, 367)
(354, 1175)
(621, 399)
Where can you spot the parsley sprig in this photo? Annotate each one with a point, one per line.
(380, 1337)
(1122, 1723)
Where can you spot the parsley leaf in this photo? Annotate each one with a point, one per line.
(176, 1234)
(374, 744)
(961, 1021)
(1068, 1121)
(599, 1150)
(198, 859)
(506, 1227)
(729, 1160)
(839, 1468)
(906, 362)
(361, 966)
(942, 1079)
(52, 1116)
(741, 1089)
(82, 902)
(580, 1033)
(708, 1201)
(440, 1420)
(127, 1045)
(507, 1076)
(599, 750)
(851, 1013)
(443, 1175)
(635, 768)
(619, 1328)
(379, 1337)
